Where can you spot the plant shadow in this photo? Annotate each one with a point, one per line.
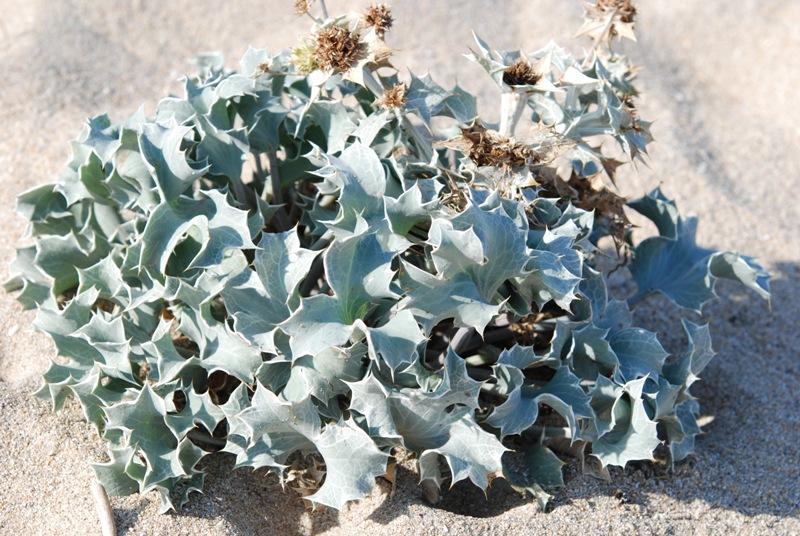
(240, 500)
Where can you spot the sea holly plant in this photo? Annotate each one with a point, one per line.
(317, 263)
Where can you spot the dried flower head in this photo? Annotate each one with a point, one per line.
(262, 68)
(301, 7)
(624, 7)
(394, 97)
(337, 47)
(490, 148)
(379, 17)
(521, 73)
(607, 19)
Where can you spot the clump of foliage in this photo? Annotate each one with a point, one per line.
(313, 263)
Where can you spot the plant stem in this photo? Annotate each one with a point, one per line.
(499, 334)
(606, 29)
(421, 143)
(239, 192)
(260, 174)
(275, 186)
(322, 241)
(198, 436)
(479, 374)
(549, 431)
(502, 321)
(493, 389)
(490, 351)
(275, 178)
(511, 106)
(185, 352)
(324, 9)
(460, 339)
(317, 266)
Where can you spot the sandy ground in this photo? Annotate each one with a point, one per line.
(721, 80)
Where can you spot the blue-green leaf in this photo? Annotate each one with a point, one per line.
(639, 353)
(325, 375)
(142, 422)
(562, 393)
(318, 323)
(394, 343)
(358, 270)
(162, 150)
(632, 435)
(370, 399)
(223, 150)
(334, 120)
(432, 299)
(470, 452)
(352, 463)
(678, 268)
(425, 97)
(199, 409)
(101, 137)
(260, 300)
(220, 226)
(370, 126)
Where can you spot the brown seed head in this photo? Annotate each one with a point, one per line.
(337, 48)
(263, 68)
(378, 16)
(301, 7)
(625, 7)
(520, 73)
(489, 148)
(394, 97)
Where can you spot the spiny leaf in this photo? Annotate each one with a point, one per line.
(358, 271)
(164, 156)
(145, 429)
(633, 435)
(432, 299)
(370, 399)
(220, 225)
(112, 474)
(260, 300)
(639, 353)
(541, 468)
(325, 375)
(394, 343)
(339, 445)
(470, 452)
(285, 427)
(100, 135)
(224, 151)
(318, 323)
(521, 409)
(425, 97)
(369, 127)
(199, 409)
(334, 120)
(681, 270)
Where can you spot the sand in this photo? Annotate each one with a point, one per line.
(719, 78)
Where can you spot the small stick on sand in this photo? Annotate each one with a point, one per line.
(108, 526)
